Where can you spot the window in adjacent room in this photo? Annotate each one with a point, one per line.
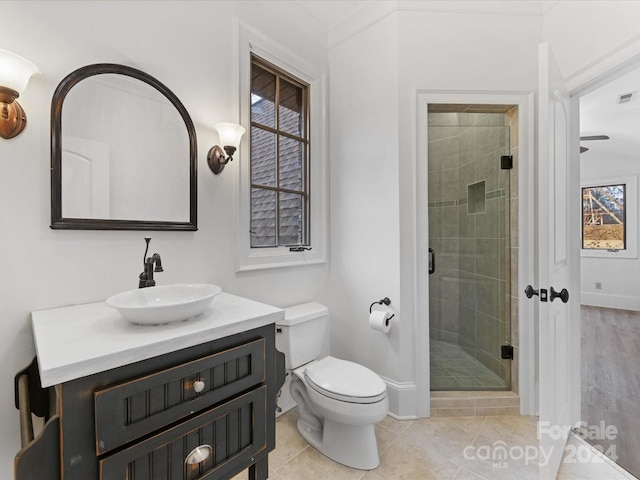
(279, 172)
(604, 217)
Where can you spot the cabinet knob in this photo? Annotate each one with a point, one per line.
(198, 455)
(198, 386)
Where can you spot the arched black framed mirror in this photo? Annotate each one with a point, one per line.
(123, 153)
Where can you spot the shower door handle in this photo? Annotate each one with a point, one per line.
(432, 261)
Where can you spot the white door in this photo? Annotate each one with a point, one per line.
(558, 265)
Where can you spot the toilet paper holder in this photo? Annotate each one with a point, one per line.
(385, 301)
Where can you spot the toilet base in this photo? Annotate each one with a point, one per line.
(350, 445)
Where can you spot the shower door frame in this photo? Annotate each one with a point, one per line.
(526, 175)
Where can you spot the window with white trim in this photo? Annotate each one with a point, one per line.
(289, 226)
(604, 218)
(610, 217)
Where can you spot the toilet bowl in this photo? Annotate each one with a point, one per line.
(338, 401)
(336, 418)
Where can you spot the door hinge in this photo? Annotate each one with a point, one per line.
(507, 352)
(506, 162)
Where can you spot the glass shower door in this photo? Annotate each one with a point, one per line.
(469, 297)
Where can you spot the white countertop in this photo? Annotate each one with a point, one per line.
(80, 340)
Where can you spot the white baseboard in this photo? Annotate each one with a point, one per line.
(402, 399)
(623, 302)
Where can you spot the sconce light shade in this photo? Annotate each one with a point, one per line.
(15, 73)
(230, 135)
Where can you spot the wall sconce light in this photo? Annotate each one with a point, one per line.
(230, 135)
(15, 73)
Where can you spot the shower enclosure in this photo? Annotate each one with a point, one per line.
(469, 233)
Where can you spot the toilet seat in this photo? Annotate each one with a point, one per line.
(345, 381)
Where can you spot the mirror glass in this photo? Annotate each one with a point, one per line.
(123, 153)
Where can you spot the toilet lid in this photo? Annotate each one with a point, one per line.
(345, 379)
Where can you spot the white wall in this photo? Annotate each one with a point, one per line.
(374, 78)
(443, 51)
(364, 199)
(190, 47)
(583, 32)
(620, 277)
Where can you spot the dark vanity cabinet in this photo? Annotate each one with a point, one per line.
(203, 412)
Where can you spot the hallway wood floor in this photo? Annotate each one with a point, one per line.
(611, 381)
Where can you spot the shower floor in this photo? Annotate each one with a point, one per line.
(454, 369)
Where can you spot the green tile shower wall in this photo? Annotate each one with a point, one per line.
(470, 301)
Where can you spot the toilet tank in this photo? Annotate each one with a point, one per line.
(301, 334)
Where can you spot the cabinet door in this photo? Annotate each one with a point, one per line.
(234, 433)
(130, 410)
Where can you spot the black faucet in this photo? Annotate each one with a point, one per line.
(146, 277)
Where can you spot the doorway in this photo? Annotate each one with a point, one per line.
(610, 311)
(521, 398)
(469, 197)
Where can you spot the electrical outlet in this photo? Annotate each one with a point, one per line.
(598, 285)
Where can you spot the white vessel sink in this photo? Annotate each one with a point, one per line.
(164, 303)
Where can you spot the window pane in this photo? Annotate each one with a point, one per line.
(290, 108)
(291, 152)
(290, 219)
(263, 157)
(263, 96)
(603, 217)
(263, 218)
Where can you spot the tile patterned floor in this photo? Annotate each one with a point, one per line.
(437, 448)
(454, 369)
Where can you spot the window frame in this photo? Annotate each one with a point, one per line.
(304, 192)
(253, 42)
(631, 217)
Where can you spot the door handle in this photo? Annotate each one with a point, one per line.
(432, 261)
(562, 295)
(530, 292)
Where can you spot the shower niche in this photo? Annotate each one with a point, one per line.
(470, 217)
(476, 198)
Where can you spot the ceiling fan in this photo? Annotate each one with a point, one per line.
(591, 137)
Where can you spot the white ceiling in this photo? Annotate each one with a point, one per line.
(600, 114)
(330, 12)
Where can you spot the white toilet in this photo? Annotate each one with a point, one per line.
(338, 401)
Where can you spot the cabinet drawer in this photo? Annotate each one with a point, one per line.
(130, 410)
(233, 432)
